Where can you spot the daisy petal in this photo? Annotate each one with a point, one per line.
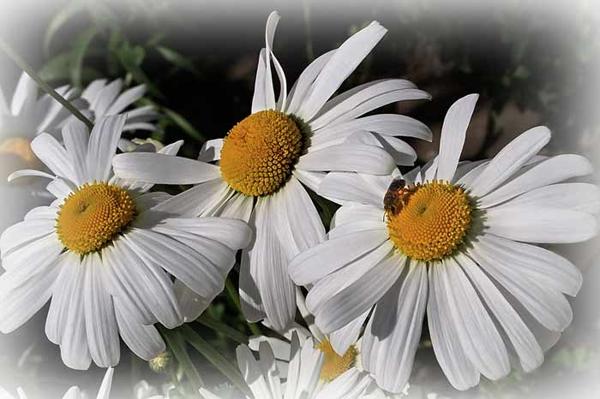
(346, 336)
(100, 319)
(510, 159)
(75, 135)
(546, 304)
(529, 351)
(364, 158)
(453, 134)
(339, 67)
(582, 197)
(126, 98)
(25, 94)
(549, 171)
(163, 169)
(361, 295)
(396, 350)
(540, 225)
(143, 340)
(455, 364)
(102, 146)
(327, 257)
(54, 156)
(307, 77)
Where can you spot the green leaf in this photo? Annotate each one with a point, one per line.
(57, 68)
(215, 358)
(177, 59)
(222, 328)
(59, 20)
(78, 53)
(176, 344)
(183, 123)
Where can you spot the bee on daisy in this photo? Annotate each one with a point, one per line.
(286, 145)
(456, 242)
(103, 253)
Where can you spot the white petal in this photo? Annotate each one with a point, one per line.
(25, 94)
(238, 207)
(396, 330)
(93, 89)
(269, 269)
(453, 134)
(104, 391)
(510, 159)
(349, 100)
(211, 150)
(74, 349)
(360, 296)
(529, 351)
(102, 146)
(60, 188)
(354, 212)
(346, 336)
(544, 303)
(298, 221)
(100, 320)
(451, 356)
(324, 289)
(75, 135)
(250, 300)
(537, 263)
(329, 256)
(27, 173)
(18, 235)
(582, 197)
(24, 294)
(185, 263)
(105, 97)
(384, 124)
(339, 67)
(147, 286)
(191, 304)
(540, 225)
(549, 171)
(263, 97)
(466, 180)
(54, 156)
(306, 79)
(195, 201)
(163, 169)
(126, 98)
(143, 340)
(348, 158)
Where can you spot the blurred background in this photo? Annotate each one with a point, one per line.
(532, 62)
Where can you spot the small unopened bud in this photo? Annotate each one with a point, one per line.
(160, 363)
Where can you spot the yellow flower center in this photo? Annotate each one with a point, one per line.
(335, 365)
(93, 215)
(428, 222)
(259, 153)
(19, 147)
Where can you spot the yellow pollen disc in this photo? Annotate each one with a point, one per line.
(19, 147)
(431, 220)
(91, 216)
(259, 153)
(335, 365)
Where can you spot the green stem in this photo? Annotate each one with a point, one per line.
(215, 358)
(222, 328)
(176, 343)
(233, 295)
(43, 85)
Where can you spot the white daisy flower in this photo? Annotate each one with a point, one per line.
(104, 251)
(454, 241)
(268, 158)
(73, 392)
(106, 99)
(301, 376)
(28, 115)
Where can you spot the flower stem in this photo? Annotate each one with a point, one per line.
(222, 328)
(43, 85)
(215, 358)
(176, 344)
(233, 295)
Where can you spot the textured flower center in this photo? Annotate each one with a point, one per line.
(92, 215)
(428, 222)
(260, 152)
(335, 365)
(19, 147)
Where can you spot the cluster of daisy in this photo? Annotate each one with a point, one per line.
(455, 241)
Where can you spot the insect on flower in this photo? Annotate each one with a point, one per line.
(397, 196)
